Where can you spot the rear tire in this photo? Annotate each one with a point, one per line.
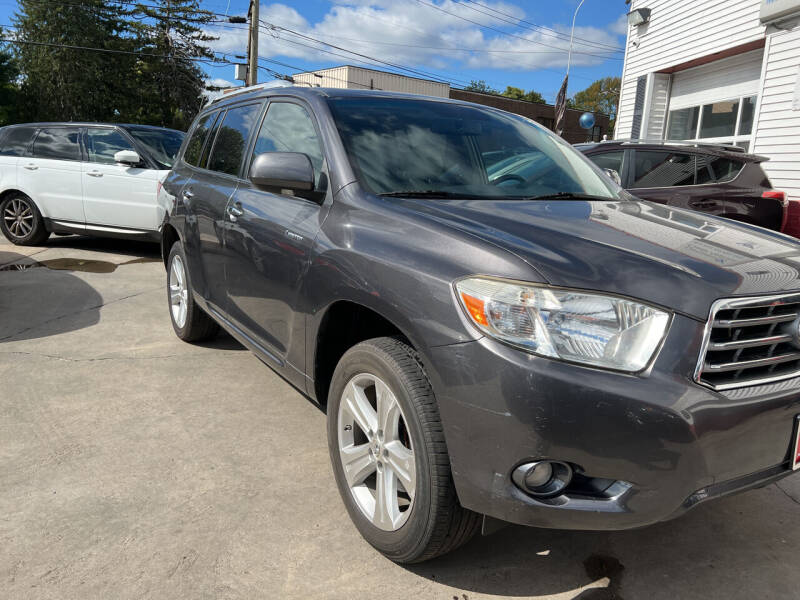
(384, 426)
(189, 321)
(21, 222)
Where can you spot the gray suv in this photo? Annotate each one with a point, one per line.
(490, 342)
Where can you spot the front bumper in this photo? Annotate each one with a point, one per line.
(669, 442)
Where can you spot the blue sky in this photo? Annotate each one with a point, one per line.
(509, 42)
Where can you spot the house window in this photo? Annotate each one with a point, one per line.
(724, 122)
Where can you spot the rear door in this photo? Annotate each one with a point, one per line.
(213, 183)
(117, 195)
(51, 174)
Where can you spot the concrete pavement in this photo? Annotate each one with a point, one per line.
(133, 465)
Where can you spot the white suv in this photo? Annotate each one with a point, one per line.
(91, 179)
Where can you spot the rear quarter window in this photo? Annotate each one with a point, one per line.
(194, 147)
(16, 141)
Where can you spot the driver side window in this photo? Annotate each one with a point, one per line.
(288, 127)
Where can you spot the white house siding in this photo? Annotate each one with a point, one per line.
(358, 78)
(778, 123)
(680, 31)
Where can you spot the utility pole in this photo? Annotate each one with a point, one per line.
(252, 72)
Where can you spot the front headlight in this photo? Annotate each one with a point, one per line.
(594, 329)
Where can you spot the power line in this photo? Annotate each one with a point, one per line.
(481, 25)
(377, 60)
(112, 51)
(546, 30)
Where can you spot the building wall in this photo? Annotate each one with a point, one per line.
(777, 124)
(541, 113)
(350, 77)
(680, 31)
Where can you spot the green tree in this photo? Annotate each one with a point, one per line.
(63, 83)
(170, 87)
(9, 88)
(480, 86)
(602, 96)
(520, 94)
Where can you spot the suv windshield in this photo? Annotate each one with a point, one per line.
(399, 145)
(161, 144)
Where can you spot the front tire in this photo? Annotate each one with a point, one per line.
(189, 321)
(389, 455)
(21, 222)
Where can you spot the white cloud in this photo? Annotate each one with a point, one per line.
(411, 33)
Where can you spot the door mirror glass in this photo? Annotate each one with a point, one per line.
(614, 175)
(128, 157)
(283, 170)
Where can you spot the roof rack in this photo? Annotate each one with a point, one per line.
(693, 143)
(278, 83)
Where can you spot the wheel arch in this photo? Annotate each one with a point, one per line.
(169, 235)
(344, 324)
(16, 190)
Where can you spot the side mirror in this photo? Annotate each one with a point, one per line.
(128, 157)
(283, 170)
(614, 175)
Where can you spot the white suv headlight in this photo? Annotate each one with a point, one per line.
(594, 329)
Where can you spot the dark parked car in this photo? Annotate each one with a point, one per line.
(539, 348)
(716, 179)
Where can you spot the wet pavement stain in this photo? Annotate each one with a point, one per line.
(75, 264)
(597, 567)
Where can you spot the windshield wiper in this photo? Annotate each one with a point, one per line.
(568, 196)
(426, 194)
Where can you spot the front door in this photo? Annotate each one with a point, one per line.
(117, 195)
(269, 240)
(50, 173)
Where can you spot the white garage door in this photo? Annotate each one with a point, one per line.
(716, 102)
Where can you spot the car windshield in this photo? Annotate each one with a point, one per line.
(161, 144)
(401, 146)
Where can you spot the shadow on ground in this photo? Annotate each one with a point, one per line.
(737, 547)
(108, 245)
(63, 301)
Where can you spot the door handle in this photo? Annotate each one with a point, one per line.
(234, 212)
(31, 167)
(95, 173)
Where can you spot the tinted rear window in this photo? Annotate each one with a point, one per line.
(662, 169)
(16, 141)
(59, 143)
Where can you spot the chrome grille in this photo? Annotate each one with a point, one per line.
(750, 341)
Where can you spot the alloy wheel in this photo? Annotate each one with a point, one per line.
(178, 291)
(18, 217)
(376, 452)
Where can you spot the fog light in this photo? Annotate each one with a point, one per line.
(539, 475)
(542, 478)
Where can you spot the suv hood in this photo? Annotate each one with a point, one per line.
(675, 258)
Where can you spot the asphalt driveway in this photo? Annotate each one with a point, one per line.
(133, 465)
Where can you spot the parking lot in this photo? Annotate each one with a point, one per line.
(133, 465)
